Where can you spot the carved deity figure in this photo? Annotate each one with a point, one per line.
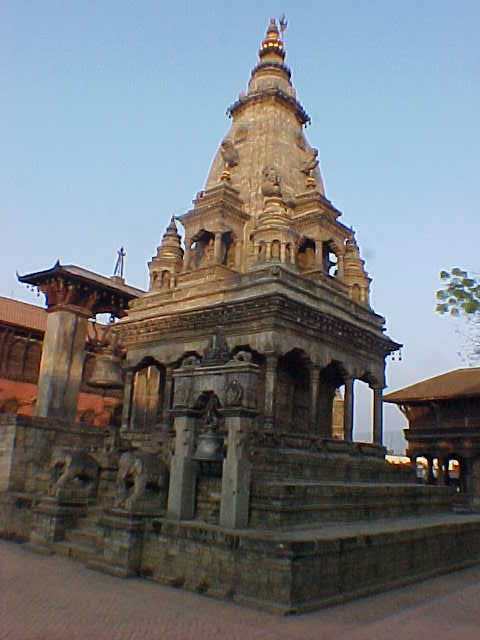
(229, 154)
(233, 393)
(310, 163)
(271, 182)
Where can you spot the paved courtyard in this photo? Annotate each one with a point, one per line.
(53, 598)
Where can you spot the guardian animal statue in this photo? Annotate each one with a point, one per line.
(142, 481)
(74, 471)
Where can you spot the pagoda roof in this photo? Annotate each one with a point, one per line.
(460, 383)
(71, 271)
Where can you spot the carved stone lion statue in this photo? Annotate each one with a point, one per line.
(141, 478)
(75, 471)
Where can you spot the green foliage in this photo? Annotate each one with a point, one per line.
(460, 293)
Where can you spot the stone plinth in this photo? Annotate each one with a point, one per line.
(122, 543)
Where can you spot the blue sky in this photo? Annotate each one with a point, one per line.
(110, 114)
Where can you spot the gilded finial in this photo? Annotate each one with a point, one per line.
(272, 42)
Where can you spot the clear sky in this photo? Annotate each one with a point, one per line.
(111, 112)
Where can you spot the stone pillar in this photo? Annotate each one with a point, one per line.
(377, 416)
(183, 471)
(238, 255)
(187, 255)
(474, 482)
(127, 400)
(348, 404)
(340, 268)
(293, 252)
(441, 472)
(445, 464)
(61, 366)
(167, 400)
(314, 391)
(430, 476)
(268, 250)
(236, 470)
(217, 248)
(319, 255)
(270, 387)
(283, 248)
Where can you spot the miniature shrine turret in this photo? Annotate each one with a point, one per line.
(168, 261)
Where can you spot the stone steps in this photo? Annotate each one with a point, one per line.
(82, 552)
(292, 503)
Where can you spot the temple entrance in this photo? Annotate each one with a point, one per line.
(147, 396)
(293, 393)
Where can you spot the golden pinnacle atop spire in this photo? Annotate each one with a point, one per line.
(272, 43)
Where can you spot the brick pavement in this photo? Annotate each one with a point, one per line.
(53, 598)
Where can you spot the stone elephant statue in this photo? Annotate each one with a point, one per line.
(75, 471)
(141, 479)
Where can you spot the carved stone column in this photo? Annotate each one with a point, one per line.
(62, 364)
(183, 471)
(167, 400)
(217, 248)
(430, 476)
(283, 248)
(340, 269)
(377, 416)
(270, 388)
(348, 404)
(314, 391)
(127, 400)
(187, 255)
(318, 255)
(238, 255)
(236, 469)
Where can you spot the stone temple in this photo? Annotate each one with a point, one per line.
(227, 475)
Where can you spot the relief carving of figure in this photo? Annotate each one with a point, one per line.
(182, 392)
(243, 356)
(233, 394)
(310, 163)
(271, 182)
(211, 418)
(229, 154)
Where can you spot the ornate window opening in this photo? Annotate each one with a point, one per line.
(306, 255)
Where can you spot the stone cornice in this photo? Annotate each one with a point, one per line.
(271, 94)
(272, 312)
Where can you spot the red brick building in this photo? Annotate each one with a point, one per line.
(22, 327)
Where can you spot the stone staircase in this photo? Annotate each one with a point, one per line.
(85, 541)
(295, 502)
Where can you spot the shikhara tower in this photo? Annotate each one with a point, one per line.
(266, 259)
(227, 472)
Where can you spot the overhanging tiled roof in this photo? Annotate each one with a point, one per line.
(22, 314)
(82, 274)
(461, 383)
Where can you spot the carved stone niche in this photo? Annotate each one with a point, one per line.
(234, 383)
